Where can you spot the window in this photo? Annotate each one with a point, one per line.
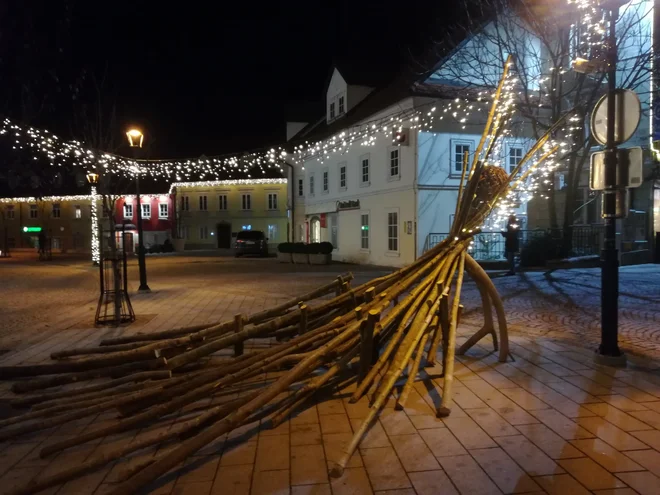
(325, 181)
(33, 211)
(272, 233)
(185, 203)
(203, 203)
(393, 231)
(460, 150)
(341, 105)
(184, 232)
(56, 210)
(515, 157)
(364, 170)
(394, 162)
(128, 210)
(364, 230)
(146, 210)
(222, 202)
(247, 201)
(78, 211)
(342, 176)
(332, 110)
(311, 185)
(163, 210)
(204, 233)
(11, 214)
(272, 201)
(301, 191)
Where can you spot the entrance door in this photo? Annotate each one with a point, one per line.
(315, 227)
(224, 235)
(129, 245)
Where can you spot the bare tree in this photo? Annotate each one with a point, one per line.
(544, 42)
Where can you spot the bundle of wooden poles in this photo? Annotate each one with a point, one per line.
(376, 333)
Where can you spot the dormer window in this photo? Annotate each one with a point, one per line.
(341, 105)
(332, 110)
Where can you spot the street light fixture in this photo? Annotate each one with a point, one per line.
(135, 140)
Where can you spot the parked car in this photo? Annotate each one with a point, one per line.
(251, 242)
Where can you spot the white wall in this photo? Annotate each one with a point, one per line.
(380, 194)
(336, 88)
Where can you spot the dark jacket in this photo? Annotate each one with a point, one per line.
(511, 243)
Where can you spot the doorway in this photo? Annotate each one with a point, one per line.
(315, 228)
(224, 235)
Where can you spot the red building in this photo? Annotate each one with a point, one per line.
(157, 219)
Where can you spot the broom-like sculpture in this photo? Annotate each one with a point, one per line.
(373, 332)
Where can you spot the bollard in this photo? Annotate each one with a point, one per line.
(367, 343)
(303, 317)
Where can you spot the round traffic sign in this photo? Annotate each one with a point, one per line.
(627, 115)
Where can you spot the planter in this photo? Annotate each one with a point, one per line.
(178, 244)
(300, 258)
(284, 257)
(320, 259)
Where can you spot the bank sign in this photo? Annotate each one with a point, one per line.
(353, 204)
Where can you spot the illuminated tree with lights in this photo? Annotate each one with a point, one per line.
(545, 37)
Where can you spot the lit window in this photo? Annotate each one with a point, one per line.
(364, 230)
(301, 185)
(393, 231)
(78, 211)
(272, 201)
(11, 214)
(203, 203)
(460, 151)
(394, 162)
(128, 211)
(56, 210)
(342, 177)
(203, 233)
(272, 233)
(163, 210)
(364, 170)
(341, 105)
(146, 210)
(222, 202)
(325, 181)
(515, 157)
(332, 110)
(247, 201)
(33, 211)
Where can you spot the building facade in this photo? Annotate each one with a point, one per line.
(210, 214)
(65, 220)
(157, 219)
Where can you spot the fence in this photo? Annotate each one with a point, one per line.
(489, 246)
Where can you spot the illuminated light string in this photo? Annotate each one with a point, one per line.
(96, 248)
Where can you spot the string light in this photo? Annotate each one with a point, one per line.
(96, 248)
(238, 182)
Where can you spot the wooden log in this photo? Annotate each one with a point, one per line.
(369, 294)
(166, 334)
(112, 371)
(304, 311)
(82, 351)
(367, 343)
(414, 368)
(238, 328)
(444, 410)
(101, 394)
(136, 377)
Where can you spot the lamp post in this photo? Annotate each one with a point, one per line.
(135, 140)
(93, 179)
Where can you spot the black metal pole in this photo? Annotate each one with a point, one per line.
(141, 261)
(609, 347)
(123, 256)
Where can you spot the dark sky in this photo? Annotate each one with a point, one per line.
(210, 77)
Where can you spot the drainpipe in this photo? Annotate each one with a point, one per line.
(416, 158)
(289, 234)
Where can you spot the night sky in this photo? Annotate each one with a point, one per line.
(203, 77)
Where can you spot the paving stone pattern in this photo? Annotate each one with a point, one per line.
(550, 421)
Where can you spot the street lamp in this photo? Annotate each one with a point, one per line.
(135, 140)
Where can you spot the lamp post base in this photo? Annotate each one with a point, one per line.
(144, 288)
(615, 361)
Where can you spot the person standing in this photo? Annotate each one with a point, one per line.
(511, 243)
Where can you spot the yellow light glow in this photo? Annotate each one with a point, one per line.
(135, 137)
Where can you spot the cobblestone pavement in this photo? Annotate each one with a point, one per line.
(551, 421)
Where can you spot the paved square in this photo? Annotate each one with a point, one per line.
(551, 421)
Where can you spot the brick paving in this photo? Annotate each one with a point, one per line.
(551, 421)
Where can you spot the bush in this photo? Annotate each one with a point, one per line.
(168, 247)
(285, 247)
(326, 248)
(313, 248)
(540, 250)
(299, 248)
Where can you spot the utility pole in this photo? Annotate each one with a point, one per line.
(608, 350)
